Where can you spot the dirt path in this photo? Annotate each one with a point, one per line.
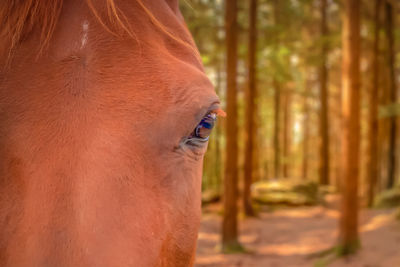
(287, 238)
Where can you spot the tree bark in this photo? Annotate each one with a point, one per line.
(323, 78)
(250, 110)
(306, 130)
(218, 131)
(286, 133)
(277, 107)
(372, 155)
(277, 102)
(392, 95)
(348, 237)
(230, 225)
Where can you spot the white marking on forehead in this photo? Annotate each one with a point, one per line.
(85, 28)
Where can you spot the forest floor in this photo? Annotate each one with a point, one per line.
(294, 237)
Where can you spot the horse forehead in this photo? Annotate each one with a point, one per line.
(88, 59)
(153, 55)
(85, 29)
(157, 23)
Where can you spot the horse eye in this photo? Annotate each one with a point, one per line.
(203, 129)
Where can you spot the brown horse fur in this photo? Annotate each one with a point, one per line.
(19, 19)
(94, 104)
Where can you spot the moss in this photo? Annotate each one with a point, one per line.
(397, 214)
(283, 198)
(286, 192)
(309, 188)
(348, 249)
(327, 189)
(388, 199)
(233, 248)
(325, 257)
(220, 212)
(328, 256)
(321, 263)
(272, 186)
(325, 261)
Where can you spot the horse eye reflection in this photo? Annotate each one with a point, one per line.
(204, 128)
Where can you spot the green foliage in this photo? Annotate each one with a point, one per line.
(388, 199)
(282, 198)
(348, 249)
(286, 192)
(326, 257)
(397, 214)
(391, 110)
(233, 248)
(320, 263)
(309, 188)
(288, 45)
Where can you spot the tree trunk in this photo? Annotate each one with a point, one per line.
(218, 131)
(323, 78)
(338, 106)
(372, 155)
(229, 226)
(250, 110)
(348, 238)
(306, 130)
(286, 132)
(392, 95)
(277, 107)
(277, 102)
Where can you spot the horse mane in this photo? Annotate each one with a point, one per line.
(19, 17)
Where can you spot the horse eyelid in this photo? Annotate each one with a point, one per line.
(220, 112)
(198, 141)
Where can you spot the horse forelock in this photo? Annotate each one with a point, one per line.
(19, 18)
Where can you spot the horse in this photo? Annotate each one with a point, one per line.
(105, 113)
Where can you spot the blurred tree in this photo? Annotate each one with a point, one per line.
(230, 224)
(287, 128)
(277, 96)
(306, 129)
(389, 18)
(200, 16)
(323, 79)
(372, 155)
(250, 110)
(348, 238)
